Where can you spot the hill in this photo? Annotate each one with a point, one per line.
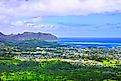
(27, 36)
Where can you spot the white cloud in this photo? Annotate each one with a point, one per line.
(68, 7)
(11, 11)
(58, 7)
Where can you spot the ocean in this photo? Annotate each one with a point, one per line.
(91, 42)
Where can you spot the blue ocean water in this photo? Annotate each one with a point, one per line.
(91, 42)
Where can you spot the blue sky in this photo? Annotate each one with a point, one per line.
(95, 25)
(63, 18)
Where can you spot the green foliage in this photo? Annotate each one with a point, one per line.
(12, 69)
(32, 43)
(9, 60)
(56, 71)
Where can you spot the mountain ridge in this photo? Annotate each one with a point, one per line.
(28, 36)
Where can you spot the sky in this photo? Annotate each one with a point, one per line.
(63, 18)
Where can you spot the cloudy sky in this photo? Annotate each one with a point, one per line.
(63, 18)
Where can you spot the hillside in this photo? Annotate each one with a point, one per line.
(27, 36)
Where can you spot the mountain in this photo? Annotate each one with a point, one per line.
(27, 36)
(1, 34)
(2, 37)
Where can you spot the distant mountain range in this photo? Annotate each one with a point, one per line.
(27, 36)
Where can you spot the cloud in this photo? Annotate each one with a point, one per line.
(20, 12)
(75, 25)
(70, 7)
(58, 7)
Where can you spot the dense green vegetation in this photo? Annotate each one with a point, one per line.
(56, 71)
(28, 61)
